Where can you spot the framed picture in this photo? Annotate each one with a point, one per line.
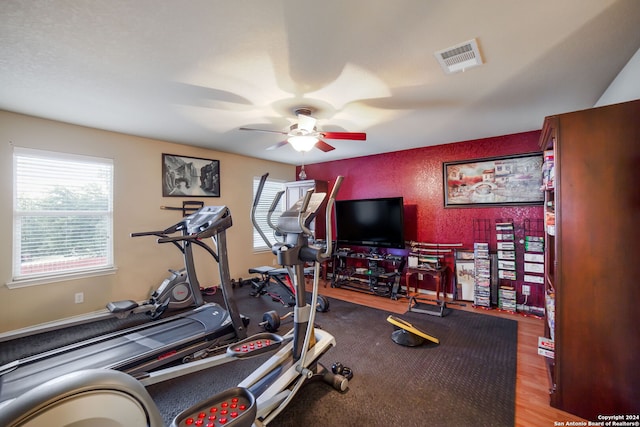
(190, 176)
(465, 275)
(498, 181)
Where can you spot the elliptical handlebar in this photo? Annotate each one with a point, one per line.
(256, 200)
(329, 229)
(309, 253)
(272, 209)
(303, 211)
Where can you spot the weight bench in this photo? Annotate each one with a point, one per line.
(259, 284)
(279, 276)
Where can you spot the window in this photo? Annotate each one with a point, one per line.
(271, 188)
(62, 214)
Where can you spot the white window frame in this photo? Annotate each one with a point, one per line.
(269, 191)
(69, 270)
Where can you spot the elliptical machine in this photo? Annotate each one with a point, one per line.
(260, 397)
(281, 276)
(80, 398)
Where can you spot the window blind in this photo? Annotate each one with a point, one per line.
(63, 213)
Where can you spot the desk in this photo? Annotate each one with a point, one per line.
(438, 274)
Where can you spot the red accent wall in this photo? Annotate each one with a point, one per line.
(417, 175)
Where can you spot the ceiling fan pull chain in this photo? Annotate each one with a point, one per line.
(302, 175)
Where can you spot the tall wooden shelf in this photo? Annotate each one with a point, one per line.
(592, 260)
(548, 145)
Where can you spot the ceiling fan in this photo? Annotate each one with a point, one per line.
(304, 135)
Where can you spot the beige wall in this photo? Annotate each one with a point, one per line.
(141, 262)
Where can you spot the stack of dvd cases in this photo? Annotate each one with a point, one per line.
(482, 297)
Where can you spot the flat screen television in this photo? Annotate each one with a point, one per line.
(371, 222)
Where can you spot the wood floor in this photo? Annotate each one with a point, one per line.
(532, 399)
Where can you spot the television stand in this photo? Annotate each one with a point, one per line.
(371, 273)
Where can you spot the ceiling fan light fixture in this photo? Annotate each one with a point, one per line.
(303, 143)
(304, 135)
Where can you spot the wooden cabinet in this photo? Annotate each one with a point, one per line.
(295, 190)
(592, 259)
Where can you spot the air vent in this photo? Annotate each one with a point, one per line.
(460, 57)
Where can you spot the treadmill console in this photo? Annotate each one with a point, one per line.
(207, 221)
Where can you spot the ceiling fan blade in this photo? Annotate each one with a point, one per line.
(264, 130)
(358, 136)
(323, 146)
(278, 145)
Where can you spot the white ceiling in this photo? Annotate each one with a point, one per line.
(193, 72)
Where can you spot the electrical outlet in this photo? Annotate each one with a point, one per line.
(526, 290)
(79, 297)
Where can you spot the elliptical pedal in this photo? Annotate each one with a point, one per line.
(233, 407)
(255, 345)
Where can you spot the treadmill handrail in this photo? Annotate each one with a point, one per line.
(148, 233)
(213, 223)
(160, 234)
(171, 239)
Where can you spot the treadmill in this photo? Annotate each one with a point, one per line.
(137, 351)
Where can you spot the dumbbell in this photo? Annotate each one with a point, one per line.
(323, 304)
(271, 320)
(339, 369)
(338, 377)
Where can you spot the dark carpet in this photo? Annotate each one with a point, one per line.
(466, 380)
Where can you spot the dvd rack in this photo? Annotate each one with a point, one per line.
(533, 264)
(506, 249)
